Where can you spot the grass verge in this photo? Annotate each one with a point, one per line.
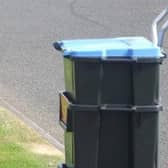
(22, 147)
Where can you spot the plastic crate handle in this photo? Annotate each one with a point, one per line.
(158, 36)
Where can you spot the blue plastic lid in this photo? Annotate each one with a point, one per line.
(130, 47)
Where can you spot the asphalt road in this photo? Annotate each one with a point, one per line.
(31, 71)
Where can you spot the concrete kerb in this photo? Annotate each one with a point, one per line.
(32, 124)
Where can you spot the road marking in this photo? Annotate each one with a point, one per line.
(33, 125)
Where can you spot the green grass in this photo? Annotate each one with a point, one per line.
(22, 147)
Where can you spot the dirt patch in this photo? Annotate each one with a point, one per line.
(43, 149)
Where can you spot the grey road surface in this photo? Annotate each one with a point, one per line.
(31, 71)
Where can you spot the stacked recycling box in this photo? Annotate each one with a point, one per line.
(110, 109)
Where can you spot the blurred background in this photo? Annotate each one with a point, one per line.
(31, 71)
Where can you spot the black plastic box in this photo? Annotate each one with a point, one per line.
(111, 135)
(112, 82)
(111, 105)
